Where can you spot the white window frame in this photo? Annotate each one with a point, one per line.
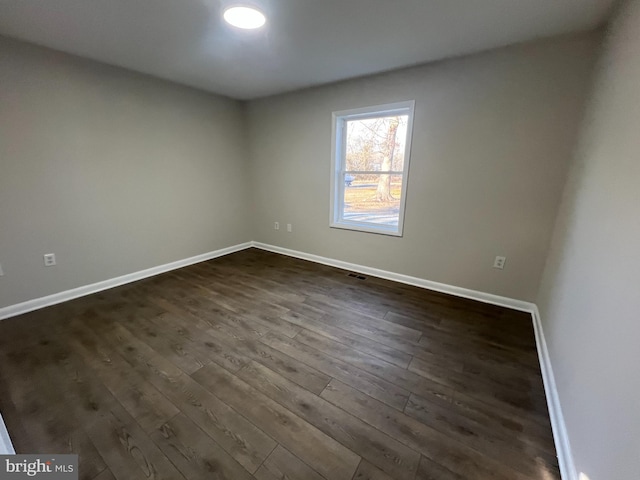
(338, 155)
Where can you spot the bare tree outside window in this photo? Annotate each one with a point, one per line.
(371, 169)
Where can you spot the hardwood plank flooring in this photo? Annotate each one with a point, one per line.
(367, 471)
(321, 452)
(369, 443)
(283, 464)
(195, 453)
(128, 451)
(256, 365)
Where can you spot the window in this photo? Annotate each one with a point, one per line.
(371, 149)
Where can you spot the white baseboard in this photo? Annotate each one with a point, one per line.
(6, 448)
(568, 469)
(401, 278)
(35, 304)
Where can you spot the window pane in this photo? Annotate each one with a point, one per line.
(376, 144)
(372, 198)
(369, 167)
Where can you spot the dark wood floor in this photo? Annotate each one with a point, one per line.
(257, 365)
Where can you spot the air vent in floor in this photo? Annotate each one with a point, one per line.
(355, 275)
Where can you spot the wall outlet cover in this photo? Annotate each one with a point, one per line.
(499, 262)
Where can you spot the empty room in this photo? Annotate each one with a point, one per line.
(306, 240)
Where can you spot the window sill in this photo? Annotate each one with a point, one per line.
(367, 228)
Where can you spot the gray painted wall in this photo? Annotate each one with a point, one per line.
(492, 141)
(116, 172)
(112, 171)
(590, 294)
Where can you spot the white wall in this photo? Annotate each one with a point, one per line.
(113, 171)
(493, 137)
(590, 293)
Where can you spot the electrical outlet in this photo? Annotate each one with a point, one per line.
(1, 271)
(289, 228)
(276, 225)
(499, 262)
(49, 259)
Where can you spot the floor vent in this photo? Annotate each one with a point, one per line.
(355, 275)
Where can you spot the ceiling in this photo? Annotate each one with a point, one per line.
(305, 42)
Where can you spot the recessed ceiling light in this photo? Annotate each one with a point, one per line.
(244, 17)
